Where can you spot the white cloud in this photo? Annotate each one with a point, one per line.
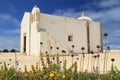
(9, 38)
(117, 34)
(115, 46)
(104, 15)
(68, 13)
(109, 3)
(109, 17)
(9, 18)
(13, 31)
(10, 42)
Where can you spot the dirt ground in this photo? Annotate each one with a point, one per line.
(88, 62)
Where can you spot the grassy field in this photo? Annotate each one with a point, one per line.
(9, 58)
(73, 67)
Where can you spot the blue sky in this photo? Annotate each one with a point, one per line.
(105, 11)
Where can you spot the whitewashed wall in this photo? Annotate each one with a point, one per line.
(35, 39)
(95, 35)
(60, 27)
(25, 30)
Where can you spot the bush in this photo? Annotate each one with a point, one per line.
(5, 50)
(0, 50)
(12, 50)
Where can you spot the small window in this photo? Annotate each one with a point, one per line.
(70, 38)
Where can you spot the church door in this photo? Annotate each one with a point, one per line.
(24, 44)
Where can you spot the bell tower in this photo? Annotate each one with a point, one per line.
(36, 17)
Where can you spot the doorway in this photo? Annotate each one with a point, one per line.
(24, 44)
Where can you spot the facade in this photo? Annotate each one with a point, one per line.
(55, 31)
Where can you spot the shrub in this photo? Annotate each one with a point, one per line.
(0, 50)
(12, 50)
(5, 50)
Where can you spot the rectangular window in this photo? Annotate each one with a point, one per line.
(70, 38)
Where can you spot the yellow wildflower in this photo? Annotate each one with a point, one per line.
(52, 75)
(63, 76)
(85, 72)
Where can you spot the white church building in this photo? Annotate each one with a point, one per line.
(40, 32)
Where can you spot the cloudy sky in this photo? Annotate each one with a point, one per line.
(105, 11)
